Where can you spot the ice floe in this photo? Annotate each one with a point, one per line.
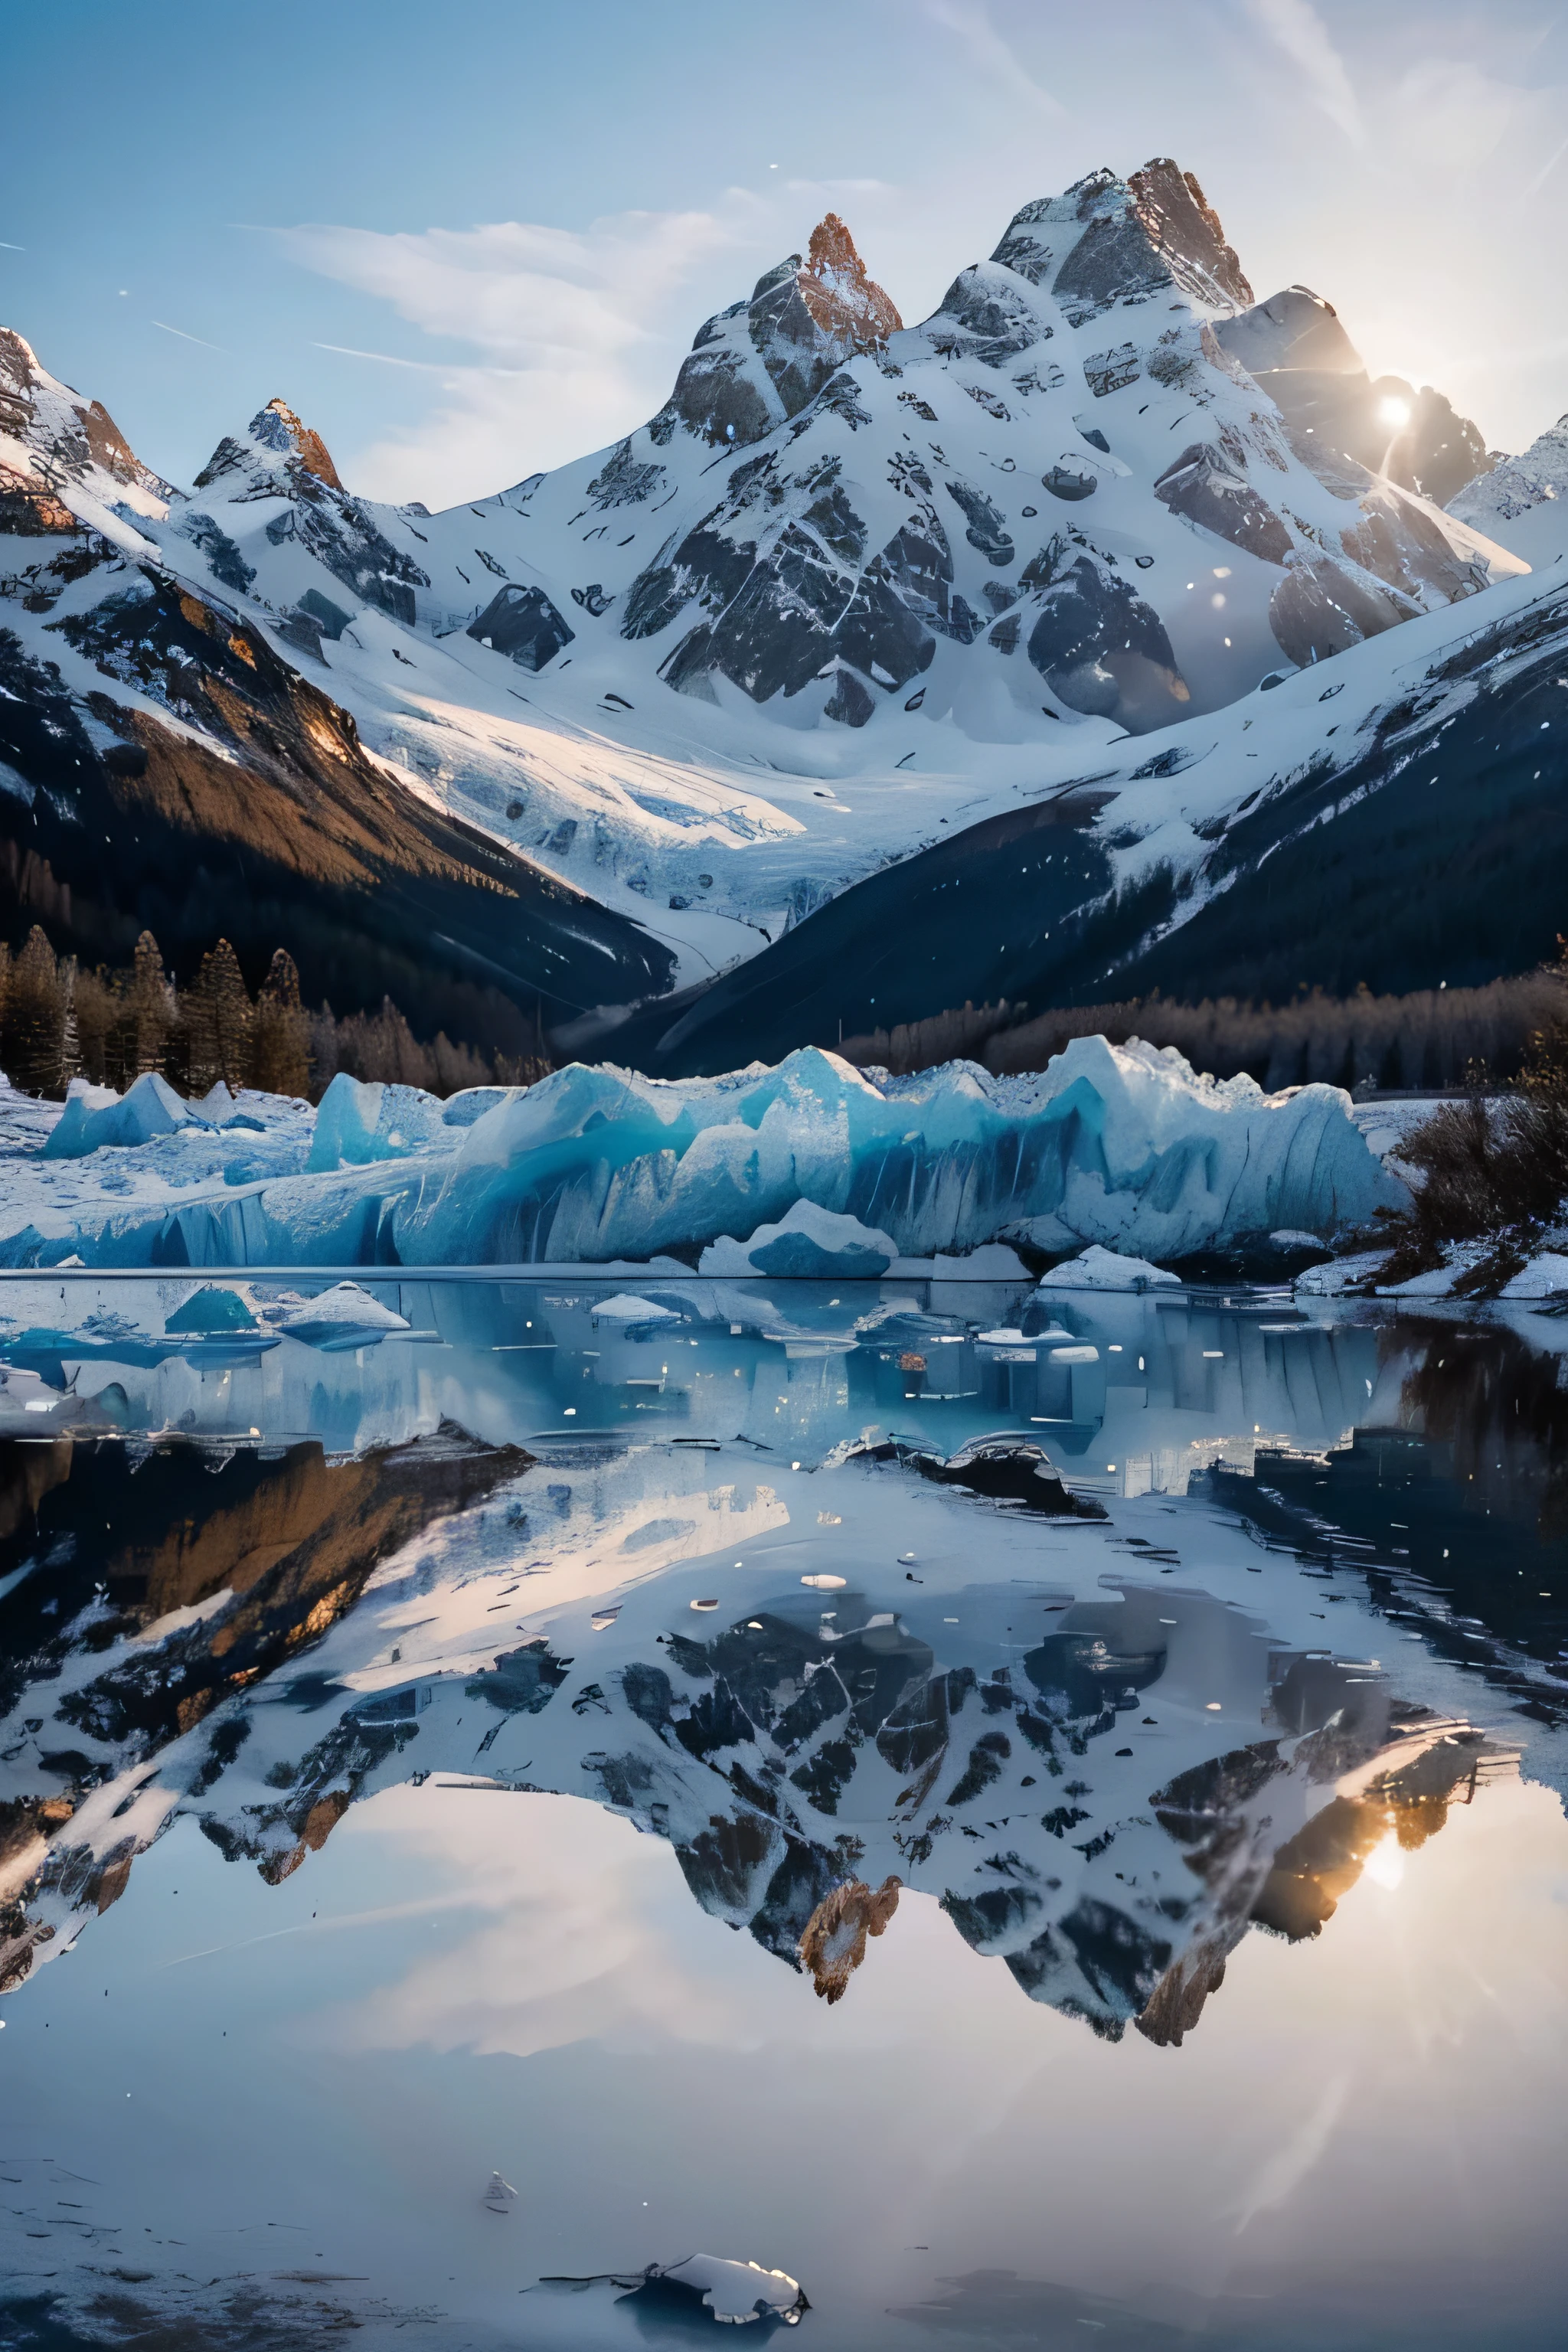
(1102, 1269)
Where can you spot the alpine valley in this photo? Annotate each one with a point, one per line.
(1110, 630)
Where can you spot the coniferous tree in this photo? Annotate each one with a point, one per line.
(280, 1032)
(151, 1008)
(218, 1016)
(33, 1035)
(70, 1037)
(97, 1011)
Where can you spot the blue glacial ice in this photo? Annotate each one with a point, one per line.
(812, 1166)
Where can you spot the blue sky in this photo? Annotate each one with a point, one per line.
(471, 239)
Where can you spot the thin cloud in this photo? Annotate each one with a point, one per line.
(1284, 2172)
(191, 339)
(518, 290)
(1548, 168)
(10, 247)
(387, 359)
(991, 51)
(1302, 37)
(577, 334)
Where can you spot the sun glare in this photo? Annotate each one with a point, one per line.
(1385, 1863)
(1395, 412)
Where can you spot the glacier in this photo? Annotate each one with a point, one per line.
(811, 1166)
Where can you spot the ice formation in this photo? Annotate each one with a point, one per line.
(806, 1167)
(1102, 1269)
(95, 1116)
(735, 2293)
(809, 1240)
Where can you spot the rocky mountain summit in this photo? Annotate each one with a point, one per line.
(756, 364)
(855, 589)
(58, 449)
(1340, 422)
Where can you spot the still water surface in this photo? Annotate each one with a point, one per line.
(1038, 1815)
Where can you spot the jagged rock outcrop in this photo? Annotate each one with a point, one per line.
(833, 1943)
(1185, 229)
(283, 466)
(55, 446)
(1340, 419)
(757, 364)
(1522, 501)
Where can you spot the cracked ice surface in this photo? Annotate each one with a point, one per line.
(1121, 1146)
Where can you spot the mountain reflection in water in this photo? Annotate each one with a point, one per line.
(1119, 1627)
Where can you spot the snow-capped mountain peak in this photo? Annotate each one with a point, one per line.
(758, 363)
(1108, 240)
(277, 487)
(63, 460)
(1524, 501)
(1337, 415)
(288, 445)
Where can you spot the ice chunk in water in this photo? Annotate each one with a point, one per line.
(343, 1316)
(1102, 1269)
(211, 1309)
(809, 1240)
(735, 2293)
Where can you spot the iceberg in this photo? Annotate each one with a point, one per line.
(96, 1117)
(809, 1242)
(344, 1316)
(808, 1167)
(1102, 1269)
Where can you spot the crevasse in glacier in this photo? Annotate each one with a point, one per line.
(1121, 1146)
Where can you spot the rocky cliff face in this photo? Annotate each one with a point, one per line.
(1342, 422)
(756, 364)
(1184, 228)
(1519, 502)
(54, 443)
(858, 544)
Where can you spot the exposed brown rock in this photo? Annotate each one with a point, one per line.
(28, 1473)
(109, 445)
(28, 508)
(1176, 2003)
(309, 447)
(842, 299)
(292, 1544)
(833, 1943)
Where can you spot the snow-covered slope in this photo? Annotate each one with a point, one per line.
(1396, 817)
(855, 585)
(844, 554)
(1340, 422)
(1520, 502)
(63, 460)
